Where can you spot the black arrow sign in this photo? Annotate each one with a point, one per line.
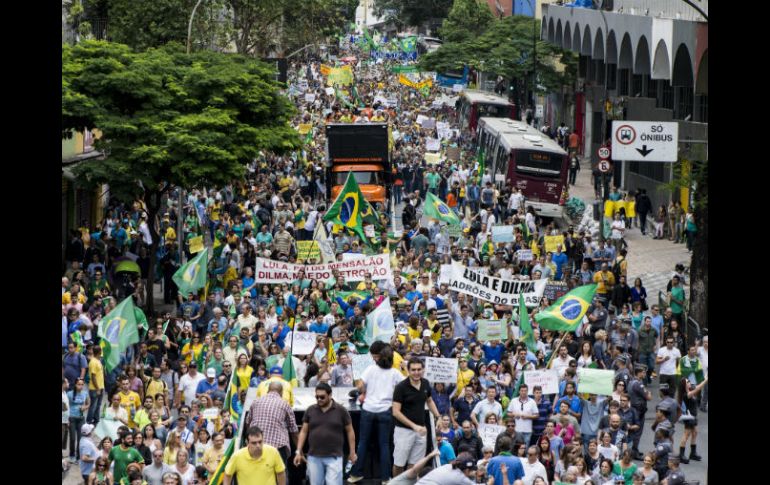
(644, 151)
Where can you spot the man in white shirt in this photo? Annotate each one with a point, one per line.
(525, 411)
(188, 384)
(668, 358)
(487, 406)
(515, 200)
(532, 467)
(246, 319)
(561, 362)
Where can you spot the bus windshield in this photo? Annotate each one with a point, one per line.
(541, 164)
(361, 178)
(493, 110)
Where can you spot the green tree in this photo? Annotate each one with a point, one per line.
(466, 20)
(412, 12)
(170, 119)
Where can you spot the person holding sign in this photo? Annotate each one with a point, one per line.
(409, 399)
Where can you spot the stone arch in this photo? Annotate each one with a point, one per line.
(544, 29)
(551, 30)
(567, 39)
(598, 48)
(626, 58)
(612, 49)
(642, 57)
(586, 48)
(682, 74)
(661, 64)
(558, 37)
(702, 77)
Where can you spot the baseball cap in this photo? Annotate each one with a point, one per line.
(426, 333)
(276, 370)
(465, 461)
(675, 478)
(211, 372)
(86, 429)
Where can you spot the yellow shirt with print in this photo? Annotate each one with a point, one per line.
(215, 212)
(126, 400)
(96, 375)
(255, 471)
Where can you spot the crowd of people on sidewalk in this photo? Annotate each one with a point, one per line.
(160, 416)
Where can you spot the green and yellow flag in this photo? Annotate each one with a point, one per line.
(348, 207)
(481, 162)
(289, 373)
(218, 476)
(409, 44)
(193, 276)
(437, 209)
(567, 312)
(118, 331)
(527, 334)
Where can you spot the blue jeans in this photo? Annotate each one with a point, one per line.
(368, 422)
(325, 469)
(96, 405)
(648, 359)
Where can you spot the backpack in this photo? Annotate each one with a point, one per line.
(616, 268)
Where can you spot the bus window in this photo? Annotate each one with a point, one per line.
(501, 165)
(539, 163)
(361, 178)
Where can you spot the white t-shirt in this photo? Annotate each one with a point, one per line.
(379, 388)
(529, 407)
(669, 367)
(703, 355)
(617, 229)
(533, 470)
(188, 385)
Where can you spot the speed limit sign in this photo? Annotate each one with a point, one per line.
(604, 153)
(604, 166)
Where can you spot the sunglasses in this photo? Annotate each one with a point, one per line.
(320, 397)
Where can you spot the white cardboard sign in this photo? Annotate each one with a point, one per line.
(547, 379)
(441, 370)
(303, 343)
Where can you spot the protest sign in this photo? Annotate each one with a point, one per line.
(309, 98)
(391, 102)
(302, 343)
(430, 123)
(547, 379)
(308, 250)
(453, 153)
(196, 244)
(445, 275)
(340, 75)
(489, 433)
(496, 290)
(432, 144)
(421, 119)
(552, 241)
(360, 363)
(491, 330)
(555, 290)
(441, 370)
(271, 272)
(432, 158)
(502, 234)
(595, 381)
(329, 91)
(524, 254)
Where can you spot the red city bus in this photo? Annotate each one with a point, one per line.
(520, 155)
(476, 104)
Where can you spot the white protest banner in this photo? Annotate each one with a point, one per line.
(432, 144)
(392, 103)
(309, 98)
(496, 290)
(502, 234)
(303, 343)
(595, 381)
(547, 379)
(489, 433)
(360, 363)
(524, 254)
(330, 91)
(429, 123)
(445, 275)
(270, 271)
(441, 370)
(491, 330)
(421, 119)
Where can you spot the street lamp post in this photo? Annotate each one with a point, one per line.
(189, 24)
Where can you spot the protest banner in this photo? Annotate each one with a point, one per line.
(196, 244)
(270, 271)
(360, 363)
(489, 433)
(502, 234)
(325, 70)
(547, 379)
(309, 98)
(555, 290)
(595, 381)
(421, 119)
(430, 123)
(552, 241)
(524, 254)
(432, 158)
(432, 144)
(329, 91)
(308, 250)
(496, 290)
(302, 343)
(340, 75)
(304, 128)
(453, 153)
(441, 370)
(491, 330)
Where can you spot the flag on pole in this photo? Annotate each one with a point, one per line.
(118, 331)
(289, 373)
(409, 44)
(527, 334)
(331, 357)
(379, 323)
(233, 399)
(192, 276)
(217, 478)
(567, 312)
(320, 236)
(346, 209)
(437, 209)
(480, 159)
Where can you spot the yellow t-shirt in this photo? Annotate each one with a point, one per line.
(215, 211)
(287, 394)
(155, 387)
(196, 351)
(414, 333)
(259, 471)
(397, 360)
(126, 400)
(96, 373)
(169, 457)
(244, 376)
(170, 234)
(599, 280)
(212, 457)
(463, 379)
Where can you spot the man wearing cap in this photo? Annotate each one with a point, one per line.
(207, 386)
(188, 385)
(459, 472)
(675, 476)
(276, 375)
(88, 451)
(276, 419)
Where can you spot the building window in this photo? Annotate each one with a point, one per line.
(657, 171)
(652, 88)
(623, 75)
(599, 69)
(684, 102)
(612, 76)
(637, 85)
(703, 108)
(583, 62)
(665, 98)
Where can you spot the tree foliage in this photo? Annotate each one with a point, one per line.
(412, 12)
(170, 119)
(505, 48)
(466, 20)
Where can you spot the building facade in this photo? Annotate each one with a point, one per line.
(644, 60)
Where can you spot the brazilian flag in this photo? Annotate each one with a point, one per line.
(409, 44)
(567, 312)
(527, 334)
(437, 209)
(347, 208)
